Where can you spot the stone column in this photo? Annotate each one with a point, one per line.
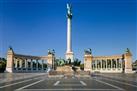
(111, 67)
(116, 63)
(96, 61)
(106, 64)
(69, 35)
(97, 64)
(26, 63)
(20, 62)
(37, 67)
(69, 53)
(16, 62)
(101, 64)
(93, 64)
(42, 64)
(120, 62)
(31, 64)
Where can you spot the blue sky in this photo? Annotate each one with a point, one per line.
(32, 27)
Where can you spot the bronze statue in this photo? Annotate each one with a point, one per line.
(69, 12)
(127, 50)
(51, 51)
(88, 51)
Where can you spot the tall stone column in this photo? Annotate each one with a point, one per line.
(10, 57)
(69, 53)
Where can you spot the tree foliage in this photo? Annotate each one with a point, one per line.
(2, 64)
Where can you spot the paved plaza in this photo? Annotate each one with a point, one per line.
(6, 77)
(95, 82)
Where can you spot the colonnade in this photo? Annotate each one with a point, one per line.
(106, 64)
(29, 64)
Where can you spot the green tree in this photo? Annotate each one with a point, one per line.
(2, 64)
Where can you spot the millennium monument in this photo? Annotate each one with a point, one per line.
(69, 53)
(104, 64)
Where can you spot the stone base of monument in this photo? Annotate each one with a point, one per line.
(62, 70)
(66, 71)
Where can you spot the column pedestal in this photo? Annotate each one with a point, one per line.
(70, 56)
